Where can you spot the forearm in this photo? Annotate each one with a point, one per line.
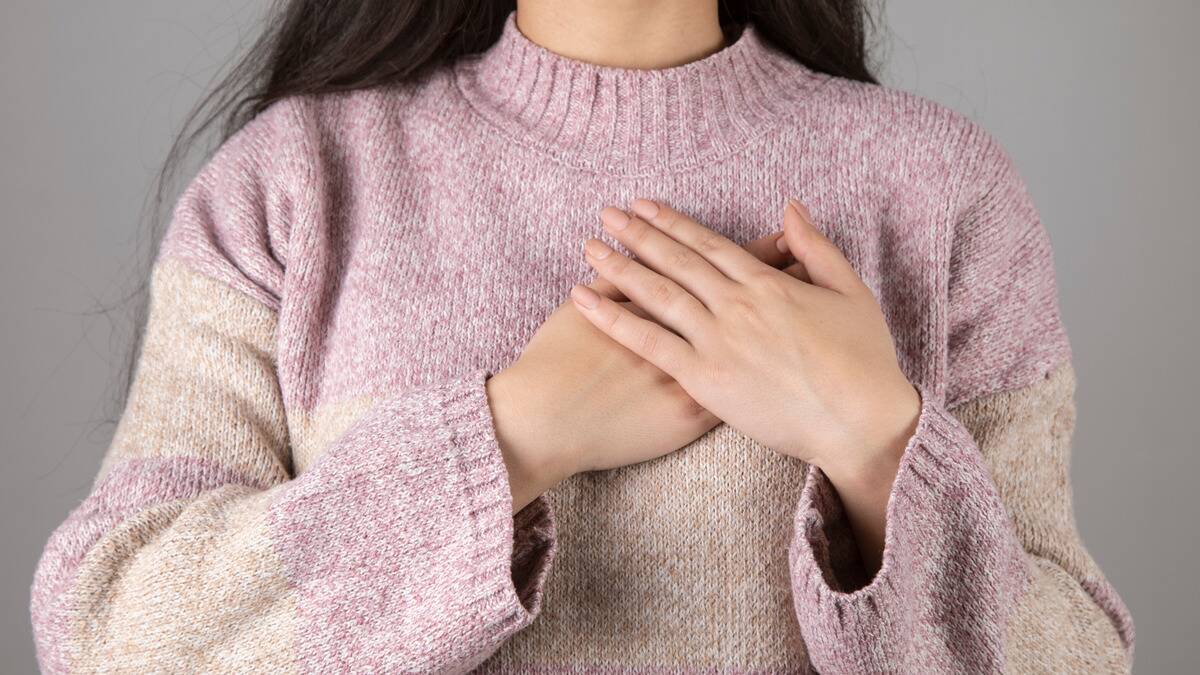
(215, 567)
(864, 496)
(864, 483)
(949, 557)
(198, 545)
(960, 588)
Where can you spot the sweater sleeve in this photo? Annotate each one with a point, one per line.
(983, 568)
(199, 549)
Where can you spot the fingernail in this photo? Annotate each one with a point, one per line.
(614, 218)
(781, 244)
(596, 248)
(585, 297)
(644, 208)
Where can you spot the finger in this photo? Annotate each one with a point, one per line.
(605, 287)
(771, 249)
(657, 345)
(665, 300)
(797, 270)
(732, 260)
(665, 255)
(767, 249)
(824, 262)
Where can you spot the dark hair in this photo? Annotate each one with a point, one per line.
(320, 46)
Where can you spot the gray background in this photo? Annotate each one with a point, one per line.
(1095, 99)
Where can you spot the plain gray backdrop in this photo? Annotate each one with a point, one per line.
(1096, 100)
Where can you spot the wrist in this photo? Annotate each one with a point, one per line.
(532, 454)
(865, 487)
(873, 464)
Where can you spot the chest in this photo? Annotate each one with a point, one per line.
(458, 269)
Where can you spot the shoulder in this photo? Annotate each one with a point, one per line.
(352, 118)
(907, 119)
(279, 156)
(916, 149)
(266, 145)
(233, 219)
(904, 137)
(265, 185)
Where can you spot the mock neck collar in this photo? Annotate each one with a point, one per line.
(626, 121)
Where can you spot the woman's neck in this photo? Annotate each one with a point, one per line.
(641, 34)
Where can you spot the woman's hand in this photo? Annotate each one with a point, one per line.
(799, 359)
(577, 401)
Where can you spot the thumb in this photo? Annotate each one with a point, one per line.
(824, 262)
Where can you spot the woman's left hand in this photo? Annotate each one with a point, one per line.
(799, 359)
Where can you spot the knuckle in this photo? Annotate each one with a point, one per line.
(660, 292)
(681, 259)
(710, 243)
(648, 342)
(771, 281)
(744, 308)
(638, 231)
(619, 264)
(613, 321)
(830, 251)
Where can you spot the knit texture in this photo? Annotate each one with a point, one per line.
(306, 477)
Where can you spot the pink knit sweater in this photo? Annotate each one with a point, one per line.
(306, 477)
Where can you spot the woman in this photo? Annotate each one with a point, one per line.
(811, 413)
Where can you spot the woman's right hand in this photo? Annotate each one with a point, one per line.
(575, 400)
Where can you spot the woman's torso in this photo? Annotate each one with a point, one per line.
(436, 245)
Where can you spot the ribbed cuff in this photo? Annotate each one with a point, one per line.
(401, 541)
(952, 570)
(515, 551)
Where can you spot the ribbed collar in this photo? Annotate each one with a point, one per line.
(627, 121)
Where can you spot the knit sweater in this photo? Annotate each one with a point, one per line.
(306, 476)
